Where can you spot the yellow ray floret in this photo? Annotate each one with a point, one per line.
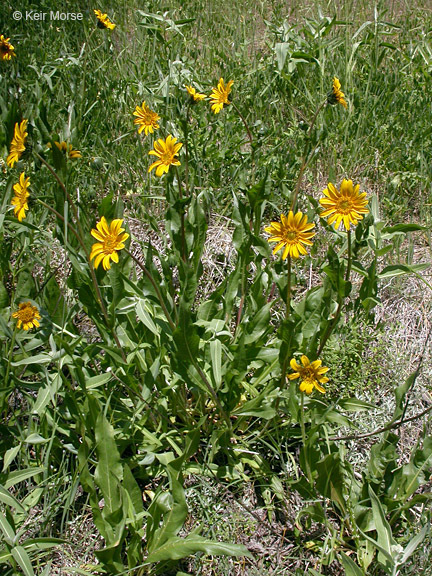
(103, 20)
(166, 152)
(6, 48)
(311, 374)
(17, 146)
(67, 149)
(19, 201)
(346, 205)
(219, 95)
(336, 96)
(292, 234)
(27, 315)
(110, 239)
(195, 96)
(146, 119)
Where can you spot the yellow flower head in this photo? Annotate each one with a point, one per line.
(110, 239)
(28, 316)
(219, 96)
(195, 96)
(20, 198)
(291, 232)
(346, 205)
(6, 48)
(17, 146)
(146, 119)
(166, 151)
(336, 96)
(103, 20)
(310, 374)
(67, 149)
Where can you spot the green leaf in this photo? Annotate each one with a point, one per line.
(6, 528)
(384, 533)
(9, 456)
(402, 228)
(7, 498)
(350, 567)
(21, 475)
(45, 394)
(109, 470)
(38, 359)
(99, 380)
(401, 269)
(216, 361)
(132, 489)
(413, 544)
(143, 313)
(355, 405)
(176, 548)
(36, 438)
(23, 560)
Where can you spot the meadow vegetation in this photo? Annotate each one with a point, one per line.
(215, 288)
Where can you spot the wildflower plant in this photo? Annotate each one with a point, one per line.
(143, 370)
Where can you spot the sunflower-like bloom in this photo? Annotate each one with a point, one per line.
(111, 239)
(103, 20)
(291, 232)
(28, 316)
(219, 95)
(67, 149)
(6, 48)
(146, 119)
(17, 146)
(310, 373)
(20, 198)
(195, 96)
(166, 151)
(336, 96)
(346, 205)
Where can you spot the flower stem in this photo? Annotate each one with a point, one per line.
(304, 158)
(303, 433)
(155, 288)
(246, 125)
(287, 315)
(80, 235)
(182, 219)
(288, 296)
(333, 324)
(10, 352)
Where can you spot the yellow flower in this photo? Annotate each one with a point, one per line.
(346, 204)
(292, 232)
(336, 96)
(6, 48)
(28, 315)
(195, 96)
(110, 239)
(103, 20)
(20, 198)
(147, 120)
(67, 149)
(310, 373)
(219, 96)
(166, 151)
(17, 146)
